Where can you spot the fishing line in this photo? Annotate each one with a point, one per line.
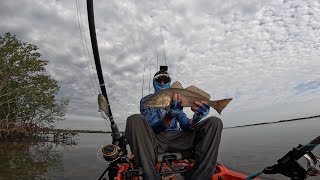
(149, 74)
(104, 116)
(135, 34)
(157, 59)
(89, 57)
(144, 69)
(83, 46)
(100, 149)
(164, 51)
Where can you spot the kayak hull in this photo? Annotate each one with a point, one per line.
(226, 174)
(222, 173)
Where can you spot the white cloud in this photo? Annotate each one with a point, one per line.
(254, 51)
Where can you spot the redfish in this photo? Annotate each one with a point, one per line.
(189, 96)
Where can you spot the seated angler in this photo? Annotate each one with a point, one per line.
(156, 131)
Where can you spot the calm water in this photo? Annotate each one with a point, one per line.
(247, 149)
(250, 149)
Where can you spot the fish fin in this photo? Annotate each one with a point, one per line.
(219, 105)
(176, 85)
(198, 91)
(106, 111)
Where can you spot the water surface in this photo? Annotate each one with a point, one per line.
(246, 149)
(250, 149)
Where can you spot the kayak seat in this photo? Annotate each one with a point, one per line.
(167, 157)
(173, 165)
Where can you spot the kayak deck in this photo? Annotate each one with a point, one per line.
(171, 171)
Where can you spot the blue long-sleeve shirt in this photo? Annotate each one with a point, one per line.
(154, 115)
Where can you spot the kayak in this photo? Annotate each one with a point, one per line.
(172, 165)
(222, 172)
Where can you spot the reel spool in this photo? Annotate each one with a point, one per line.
(110, 152)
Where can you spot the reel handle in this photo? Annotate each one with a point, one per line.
(313, 165)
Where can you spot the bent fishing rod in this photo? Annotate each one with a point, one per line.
(114, 128)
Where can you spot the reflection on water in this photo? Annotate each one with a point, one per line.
(247, 149)
(30, 159)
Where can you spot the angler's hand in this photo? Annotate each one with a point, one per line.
(175, 108)
(201, 110)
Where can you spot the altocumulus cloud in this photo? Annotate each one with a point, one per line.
(263, 54)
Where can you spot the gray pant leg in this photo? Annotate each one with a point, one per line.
(207, 141)
(176, 141)
(143, 144)
(204, 141)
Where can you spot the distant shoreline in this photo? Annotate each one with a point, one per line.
(255, 124)
(82, 131)
(273, 122)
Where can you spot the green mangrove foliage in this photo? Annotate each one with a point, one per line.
(28, 95)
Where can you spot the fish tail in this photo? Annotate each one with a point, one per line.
(219, 105)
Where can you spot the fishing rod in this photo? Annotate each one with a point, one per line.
(111, 152)
(115, 131)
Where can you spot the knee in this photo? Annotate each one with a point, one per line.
(215, 122)
(134, 119)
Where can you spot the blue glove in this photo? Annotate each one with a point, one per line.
(174, 109)
(202, 112)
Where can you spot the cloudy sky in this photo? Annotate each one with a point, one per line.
(263, 54)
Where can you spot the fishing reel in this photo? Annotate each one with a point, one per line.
(116, 150)
(313, 165)
(110, 152)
